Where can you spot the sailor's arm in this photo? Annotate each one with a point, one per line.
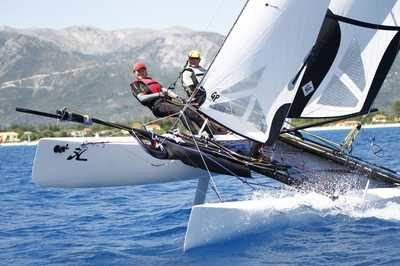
(138, 90)
(169, 93)
(144, 98)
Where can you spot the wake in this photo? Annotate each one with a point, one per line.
(381, 203)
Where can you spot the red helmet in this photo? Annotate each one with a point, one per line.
(138, 66)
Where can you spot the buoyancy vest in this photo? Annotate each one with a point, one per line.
(196, 76)
(152, 85)
(190, 82)
(145, 86)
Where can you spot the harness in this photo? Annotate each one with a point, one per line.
(152, 85)
(145, 86)
(195, 77)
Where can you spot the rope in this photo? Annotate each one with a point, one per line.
(326, 141)
(159, 119)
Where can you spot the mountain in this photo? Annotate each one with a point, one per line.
(89, 69)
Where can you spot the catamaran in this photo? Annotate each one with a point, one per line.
(282, 59)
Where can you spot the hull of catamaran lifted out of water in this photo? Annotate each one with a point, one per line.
(102, 162)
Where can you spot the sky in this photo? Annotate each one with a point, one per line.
(204, 15)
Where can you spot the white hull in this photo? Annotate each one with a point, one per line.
(212, 223)
(109, 162)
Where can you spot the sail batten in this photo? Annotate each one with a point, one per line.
(364, 23)
(248, 84)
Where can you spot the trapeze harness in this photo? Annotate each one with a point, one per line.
(196, 74)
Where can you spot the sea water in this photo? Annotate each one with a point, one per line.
(146, 225)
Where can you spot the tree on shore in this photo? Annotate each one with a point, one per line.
(396, 107)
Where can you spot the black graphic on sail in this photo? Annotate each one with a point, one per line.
(355, 49)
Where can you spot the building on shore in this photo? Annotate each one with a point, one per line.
(10, 136)
(81, 133)
(349, 123)
(379, 118)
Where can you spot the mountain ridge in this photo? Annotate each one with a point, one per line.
(89, 69)
(47, 69)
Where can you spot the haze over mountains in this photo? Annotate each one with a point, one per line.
(88, 69)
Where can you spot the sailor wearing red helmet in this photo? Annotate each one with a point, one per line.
(149, 91)
(152, 94)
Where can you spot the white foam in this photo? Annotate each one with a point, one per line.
(378, 203)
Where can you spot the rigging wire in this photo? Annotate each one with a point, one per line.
(212, 19)
(324, 140)
(213, 186)
(199, 86)
(159, 119)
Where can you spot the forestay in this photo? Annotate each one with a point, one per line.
(248, 82)
(356, 47)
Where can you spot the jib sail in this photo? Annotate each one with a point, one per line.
(356, 47)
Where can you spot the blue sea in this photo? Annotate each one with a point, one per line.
(146, 225)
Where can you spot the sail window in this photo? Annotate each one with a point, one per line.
(257, 117)
(247, 109)
(337, 94)
(352, 65)
(237, 107)
(248, 83)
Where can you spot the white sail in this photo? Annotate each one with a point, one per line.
(247, 83)
(356, 47)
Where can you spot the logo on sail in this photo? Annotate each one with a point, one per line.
(308, 88)
(214, 96)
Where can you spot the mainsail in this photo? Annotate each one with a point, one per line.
(248, 84)
(355, 49)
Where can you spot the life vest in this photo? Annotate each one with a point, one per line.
(152, 85)
(145, 86)
(197, 74)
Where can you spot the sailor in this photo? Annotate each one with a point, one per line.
(161, 101)
(191, 77)
(151, 93)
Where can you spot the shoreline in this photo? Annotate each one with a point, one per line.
(387, 125)
(11, 144)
